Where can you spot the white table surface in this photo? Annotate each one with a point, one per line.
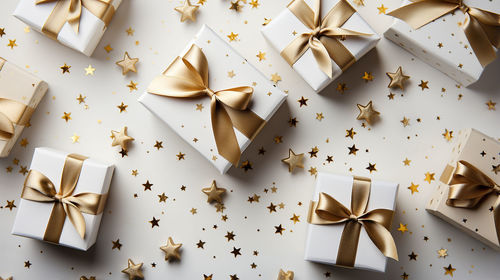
(160, 37)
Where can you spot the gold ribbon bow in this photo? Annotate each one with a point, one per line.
(11, 113)
(187, 77)
(468, 186)
(377, 222)
(323, 40)
(39, 188)
(71, 11)
(482, 28)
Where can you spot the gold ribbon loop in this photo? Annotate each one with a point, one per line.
(39, 188)
(323, 40)
(482, 28)
(71, 11)
(468, 186)
(187, 77)
(377, 222)
(12, 113)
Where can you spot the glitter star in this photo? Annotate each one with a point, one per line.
(10, 205)
(236, 252)
(491, 105)
(423, 84)
(406, 162)
(89, 70)
(187, 11)
(367, 77)
(371, 167)
(235, 6)
(313, 171)
(397, 78)
(295, 219)
(367, 113)
(447, 135)
(402, 228)
(108, 48)
(230, 236)
(429, 177)
(130, 31)
(171, 250)
(413, 188)
(147, 186)
(180, 156)
(231, 74)
(279, 229)
(154, 222)
(2, 32)
(254, 3)
(294, 160)
(302, 101)
(495, 169)
(442, 253)
(162, 197)
(449, 270)
(133, 270)
(246, 165)
(122, 107)
(200, 244)
(350, 133)
(66, 116)
(158, 145)
(232, 36)
(127, 64)
(314, 152)
(132, 86)
(413, 256)
(405, 122)
(81, 99)
(382, 9)
(275, 78)
(341, 87)
(12, 44)
(261, 56)
(65, 68)
(75, 138)
(352, 150)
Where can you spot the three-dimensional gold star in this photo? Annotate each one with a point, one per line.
(397, 78)
(127, 64)
(294, 160)
(171, 250)
(187, 11)
(367, 113)
(285, 275)
(214, 193)
(133, 270)
(121, 138)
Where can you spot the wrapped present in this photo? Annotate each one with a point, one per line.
(468, 192)
(78, 24)
(349, 222)
(320, 39)
(63, 199)
(20, 93)
(457, 37)
(223, 110)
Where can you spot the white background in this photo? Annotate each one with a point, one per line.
(161, 37)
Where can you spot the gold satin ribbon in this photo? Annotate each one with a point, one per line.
(328, 211)
(482, 28)
(12, 113)
(39, 188)
(187, 77)
(323, 40)
(468, 186)
(71, 11)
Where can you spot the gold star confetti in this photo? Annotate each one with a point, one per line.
(261, 56)
(10, 205)
(442, 253)
(23, 170)
(121, 138)
(27, 264)
(285, 275)
(235, 6)
(12, 44)
(66, 116)
(132, 86)
(397, 78)
(81, 99)
(293, 160)
(193, 211)
(116, 244)
(180, 156)
(135, 172)
(130, 31)
(214, 193)
(187, 11)
(447, 135)
(495, 169)
(2, 32)
(133, 270)
(413, 188)
(127, 64)
(122, 107)
(341, 87)
(382, 9)
(65, 68)
(402, 228)
(199, 107)
(171, 250)
(254, 3)
(162, 197)
(319, 116)
(24, 142)
(108, 48)
(302, 101)
(232, 37)
(423, 84)
(350, 133)
(405, 122)
(491, 105)
(314, 152)
(313, 171)
(367, 113)
(231, 74)
(275, 78)
(367, 76)
(279, 229)
(246, 165)
(449, 270)
(89, 70)
(295, 219)
(429, 177)
(406, 162)
(155, 222)
(158, 145)
(371, 167)
(413, 256)
(404, 276)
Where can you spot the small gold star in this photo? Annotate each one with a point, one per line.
(180, 156)
(491, 105)
(121, 138)
(275, 78)
(132, 86)
(449, 270)
(154, 222)
(231, 74)
(66, 116)
(135, 172)
(367, 76)
(381, 9)
(261, 56)
(405, 122)
(193, 211)
(285, 275)
(302, 101)
(162, 197)
(199, 107)
(293, 160)
(75, 138)
(442, 253)
(367, 112)
(2, 32)
(232, 36)
(89, 70)
(279, 229)
(371, 167)
(402, 228)
(246, 165)
(12, 44)
(187, 11)
(440, 45)
(413, 188)
(235, 6)
(423, 84)
(127, 64)
(122, 107)
(214, 193)
(23, 170)
(116, 244)
(447, 135)
(27, 264)
(406, 162)
(254, 3)
(10, 205)
(171, 250)
(158, 145)
(24, 142)
(341, 87)
(319, 116)
(108, 48)
(81, 99)
(65, 68)
(295, 219)
(350, 133)
(133, 270)
(397, 78)
(130, 31)
(429, 177)
(313, 171)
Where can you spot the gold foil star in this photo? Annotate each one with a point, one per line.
(130, 31)
(116, 244)
(75, 138)
(302, 101)
(447, 135)
(133, 270)
(423, 84)
(367, 77)
(285, 275)
(371, 167)
(341, 87)
(66, 116)
(187, 11)
(214, 193)
(132, 86)
(231, 74)
(402, 228)
(261, 56)
(442, 253)
(367, 113)
(295, 219)
(293, 160)
(350, 133)
(122, 107)
(406, 162)
(81, 99)
(89, 70)
(382, 9)
(171, 250)
(65, 68)
(2, 32)
(235, 6)
(449, 270)
(413, 188)
(108, 48)
(127, 64)
(429, 177)
(397, 78)
(24, 142)
(12, 44)
(121, 138)
(254, 3)
(275, 78)
(491, 105)
(232, 36)
(405, 122)
(10, 205)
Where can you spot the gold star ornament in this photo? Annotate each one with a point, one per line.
(127, 64)
(133, 270)
(187, 11)
(121, 138)
(285, 275)
(171, 250)
(293, 160)
(367, 113)
(214, 193)
(397, 78)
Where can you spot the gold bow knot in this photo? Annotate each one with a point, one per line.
(12, 113)
(468, 186)
(71, 11)
(482, 28)
(328, 211)
(323, 40)
(187, 77)
(39, 188)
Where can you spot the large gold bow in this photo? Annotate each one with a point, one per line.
(323, 40)
(71, 11)
(377, 222)
(39, 188)
(468, 186)
(187, 77)
(482, 28)
(11, 113)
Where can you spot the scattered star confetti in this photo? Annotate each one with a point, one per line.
(442, 253)
(302, 101)
(261, 56)
(122, 107)
(367, 77)
(491, 105)
(12, 44)
(275, 78)
(402, 228)
(429, 177)
(65, 68)
(423, 84)
(116, 244)
(89, 70)
(232, 37)
(66, 116)
(382, 9)
(413, 188)
(449, 270)
(120, 138)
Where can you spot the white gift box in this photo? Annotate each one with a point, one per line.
(32, 217)
(280, 32)
(181, 114)
(21, 86)
(323, 241)
(442, 43)
(85, 41)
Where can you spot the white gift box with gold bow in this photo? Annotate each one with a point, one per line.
(91, 28)
(190, 118)
(33, 217)
(286, 27)
(323, 241)
(442, 43)
(18, 89)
